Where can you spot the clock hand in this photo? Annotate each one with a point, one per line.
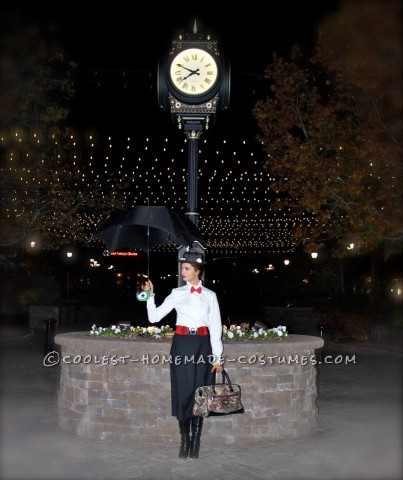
(193, 72)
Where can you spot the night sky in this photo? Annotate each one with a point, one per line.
(117, 47)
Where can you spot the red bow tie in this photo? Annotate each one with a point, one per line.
(193, 289)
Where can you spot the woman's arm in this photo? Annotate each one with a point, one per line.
(155, 314)
(215, 328)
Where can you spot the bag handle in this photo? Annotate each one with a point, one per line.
(225, 378)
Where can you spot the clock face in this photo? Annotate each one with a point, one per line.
(193, 72)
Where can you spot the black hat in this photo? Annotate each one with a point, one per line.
(192, 257)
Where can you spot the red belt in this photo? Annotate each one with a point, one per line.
(181, 330)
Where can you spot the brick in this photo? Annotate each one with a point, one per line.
(98, 394)
(116, 403)
(118, 374)
(66, 413)
(138, 400)
(121, 413)
(76, 368)
(81, 396)
(264, 413)
(96, 377)
(268, 385)
(96, 401)
(69, 394)
(97, 385)
(69, 424)
(117, 386)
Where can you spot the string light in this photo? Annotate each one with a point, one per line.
(235, 206)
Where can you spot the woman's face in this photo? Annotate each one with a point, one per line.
(189, 273)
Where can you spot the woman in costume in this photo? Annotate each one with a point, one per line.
(196, 349)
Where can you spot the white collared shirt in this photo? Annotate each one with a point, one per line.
(193, 310)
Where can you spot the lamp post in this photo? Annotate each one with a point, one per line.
(69, 256)
(193, 84)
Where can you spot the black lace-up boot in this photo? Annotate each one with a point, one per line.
(197, 425)
(184, 429)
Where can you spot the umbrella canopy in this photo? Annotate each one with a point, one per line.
(145, 227)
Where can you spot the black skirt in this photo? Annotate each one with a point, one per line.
(191, 363)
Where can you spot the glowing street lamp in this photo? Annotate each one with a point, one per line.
(69, 254)
(314, 255)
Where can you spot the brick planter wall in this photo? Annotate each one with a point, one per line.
(131, 399)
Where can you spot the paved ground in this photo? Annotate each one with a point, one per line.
(359, 434)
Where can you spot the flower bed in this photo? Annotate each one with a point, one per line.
(243, 332)
(131, 332)
(234, 332)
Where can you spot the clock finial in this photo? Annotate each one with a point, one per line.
(195, 27)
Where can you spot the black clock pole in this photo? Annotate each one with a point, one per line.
(193, 131)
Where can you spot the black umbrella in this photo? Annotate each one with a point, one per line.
(145, 227)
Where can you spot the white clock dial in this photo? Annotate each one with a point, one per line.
(193, 72)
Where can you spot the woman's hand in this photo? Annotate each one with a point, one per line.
(217, 368)
(149, 286)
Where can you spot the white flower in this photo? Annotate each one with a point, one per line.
(96, 333)
(94, 327)
(113, 327)
(117, 330)
(92, 332)
(240, 333)
(255, 334)
(132, 328)
(230, 334)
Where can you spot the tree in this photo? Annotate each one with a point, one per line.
(333, 138)
(51, 193)
(48, 189)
